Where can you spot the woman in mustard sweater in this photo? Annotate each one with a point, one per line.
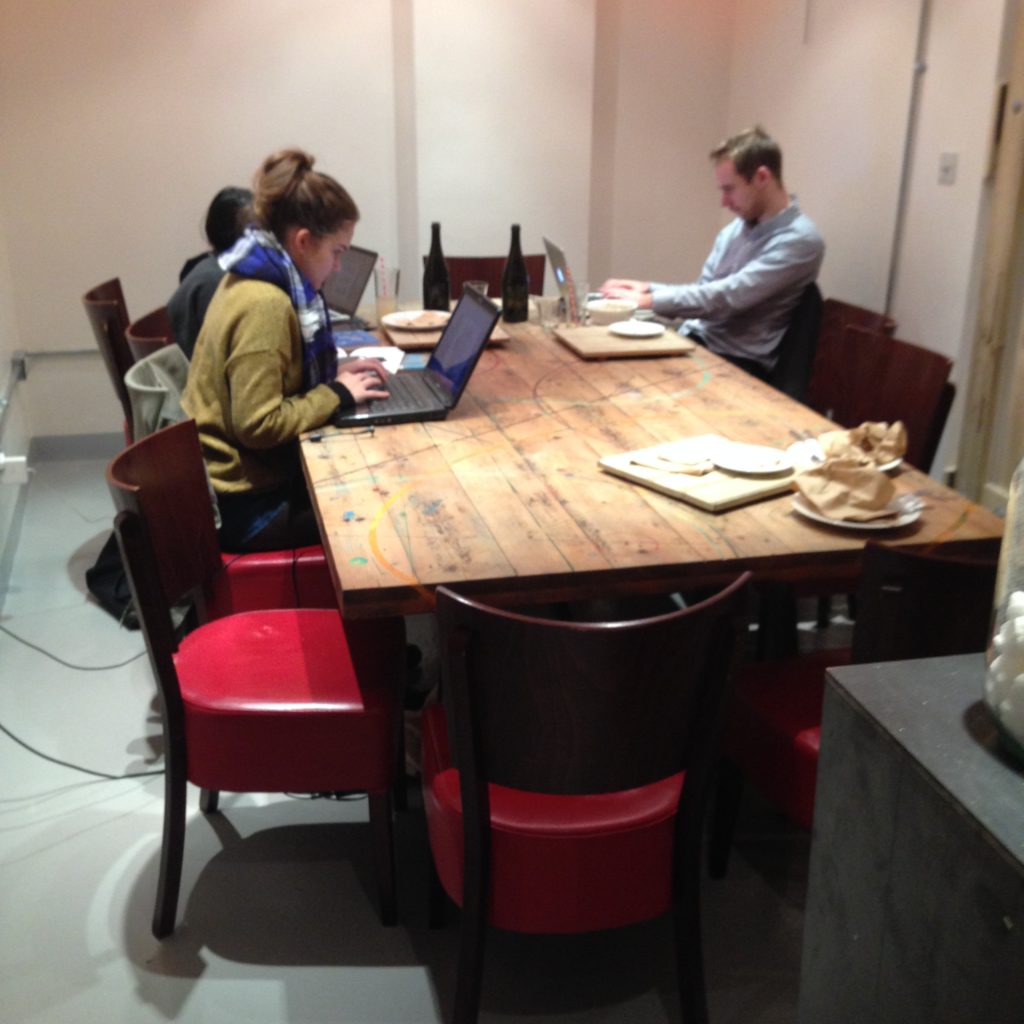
(265, 367)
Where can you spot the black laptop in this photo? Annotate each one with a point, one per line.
(343, 290)
(431, 393)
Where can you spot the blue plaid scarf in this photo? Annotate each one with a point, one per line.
(259, 255)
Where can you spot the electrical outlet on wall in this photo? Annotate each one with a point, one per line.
(947, 168)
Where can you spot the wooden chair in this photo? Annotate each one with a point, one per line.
(108, 317)
(149, 333)
(490, 268)
(887, 379)
(864, 374)
(792, 373)
(828, 361)
(269, 701)
(910, 605)
(582, 754)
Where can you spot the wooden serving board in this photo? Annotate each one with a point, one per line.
(715, 491)
(420, 341)
(600, 343)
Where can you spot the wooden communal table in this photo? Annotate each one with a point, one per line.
(506, 500)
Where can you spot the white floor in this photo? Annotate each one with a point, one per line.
(277, 921)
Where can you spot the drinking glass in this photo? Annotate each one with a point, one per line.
(385, 290)
(547, 310)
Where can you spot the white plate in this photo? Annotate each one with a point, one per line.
(751, 459)
(809, 453)
(908, 511)
(405, 320)
(636, 329)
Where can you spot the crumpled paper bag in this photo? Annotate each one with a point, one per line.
(847, 488)
(877, 443)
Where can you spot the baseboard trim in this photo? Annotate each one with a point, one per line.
(58, 447)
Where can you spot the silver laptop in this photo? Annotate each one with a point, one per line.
(564, 280)
(343, 290)
(431, 393)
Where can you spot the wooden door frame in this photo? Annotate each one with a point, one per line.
(992, 434)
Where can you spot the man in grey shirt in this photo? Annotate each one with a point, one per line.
(759, 266)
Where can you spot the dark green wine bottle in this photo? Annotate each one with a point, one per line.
(435, 273)
(515, 284)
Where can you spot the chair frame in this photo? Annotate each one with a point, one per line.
(799, 346)
(509, 700)
(149, 333)
(108, 316)
(157, 587)
(489, 268)
(903, 612)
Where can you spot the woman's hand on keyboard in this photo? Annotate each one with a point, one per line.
(364, 378)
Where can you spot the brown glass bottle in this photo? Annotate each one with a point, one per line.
(515, 284)
(435, 273)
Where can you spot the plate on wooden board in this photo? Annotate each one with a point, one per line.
(636, 329)
(416, 320)
(750, 459)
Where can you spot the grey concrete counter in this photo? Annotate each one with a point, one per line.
(915, 907)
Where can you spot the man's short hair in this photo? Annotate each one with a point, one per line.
(748, 150)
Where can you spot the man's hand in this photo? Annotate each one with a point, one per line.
(624, 284)
(364, 378)
(628, 289)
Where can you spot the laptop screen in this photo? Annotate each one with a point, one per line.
(556, 257)
(463, 340)
(344, 289)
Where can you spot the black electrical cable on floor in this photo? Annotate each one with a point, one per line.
(75, 767)
(78, 668)
(67, 664)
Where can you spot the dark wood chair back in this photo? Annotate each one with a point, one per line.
(160, 491)
(149, 333)
(108, 317)
(828, 362)
(573, 708)
(881, 378)
(913, 605)
(490, 268)
(792, 373)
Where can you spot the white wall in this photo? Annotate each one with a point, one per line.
(503, 97)
(120, 120)
(831, 81)
(661, 104)
(936, 287)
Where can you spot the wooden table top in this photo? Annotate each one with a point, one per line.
(506, 500)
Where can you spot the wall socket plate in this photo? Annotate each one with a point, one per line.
(947, 168)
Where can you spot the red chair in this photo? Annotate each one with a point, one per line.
(910, 605)
(249, 582)
(148, 333)
(108, 317)
(270, 701)
(583, 752)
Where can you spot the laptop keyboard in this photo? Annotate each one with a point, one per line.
(406, 393)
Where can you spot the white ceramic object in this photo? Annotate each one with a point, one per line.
(636, 329)
(603, 312)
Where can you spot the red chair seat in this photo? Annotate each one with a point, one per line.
(258, 687)
(560, 863)
(774, 729)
